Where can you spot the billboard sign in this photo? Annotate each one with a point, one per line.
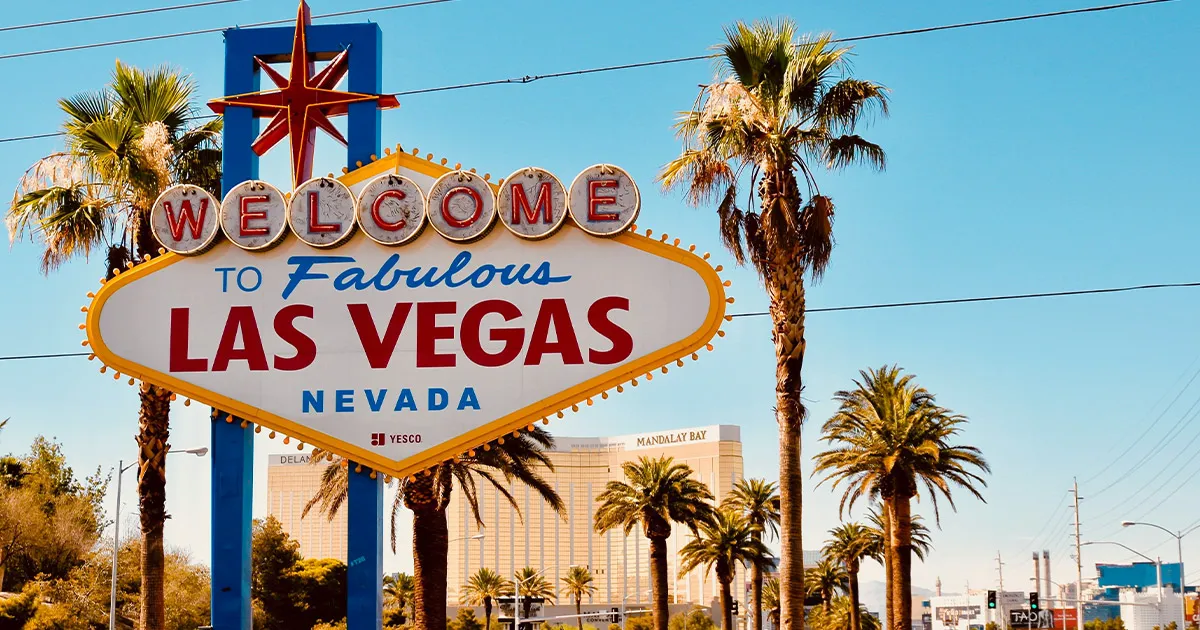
(1061, 618)
(386, 317)
(951, 615)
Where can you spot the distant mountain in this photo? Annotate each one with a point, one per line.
(873, 594)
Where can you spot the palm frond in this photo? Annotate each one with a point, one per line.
(844, 151)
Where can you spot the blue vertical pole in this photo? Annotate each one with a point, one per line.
(232, 473)
(233, 446)
(364, 580)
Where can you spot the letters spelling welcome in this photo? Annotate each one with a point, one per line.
(514, 338)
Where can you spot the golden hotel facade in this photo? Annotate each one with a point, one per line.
(619, 564)
(291, 482)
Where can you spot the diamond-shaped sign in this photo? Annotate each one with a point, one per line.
(401, 354)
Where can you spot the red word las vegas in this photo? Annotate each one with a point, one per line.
(553, 333)
(392, 210)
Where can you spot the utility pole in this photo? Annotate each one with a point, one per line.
(1000, 594)
(1078, 561)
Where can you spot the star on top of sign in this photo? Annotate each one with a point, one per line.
(303, 101)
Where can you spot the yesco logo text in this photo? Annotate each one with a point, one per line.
(392, 210)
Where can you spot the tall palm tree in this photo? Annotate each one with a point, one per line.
(482, 588)
(398, 591)
(427, 495)
(124, 145)
(781, 106)
(889, 440)
(576, 585)
(825, 580)
(770, 601)
(758, 501)
(849, 543)
(722, 544)
(656, 491)
(879, 531)
(531, 583)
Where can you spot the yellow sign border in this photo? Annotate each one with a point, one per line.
(500, 427)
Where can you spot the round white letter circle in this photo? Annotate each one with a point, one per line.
(461, 206)
(532, 203)
(391, 209)
(321, 212)
(254, 215)
(185, 219)
(604, 200)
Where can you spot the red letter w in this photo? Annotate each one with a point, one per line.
(175, 222)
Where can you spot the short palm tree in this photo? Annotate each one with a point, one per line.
(770, 601)
(825, 580)
(839, 614)
(758, 501)
(889, 439)
(577, 585)
(428, 496)
(482, 588)
(656, 491)
(879, 531)
(782, 106)
(849, 543)
(124, 145)
(530, 584)
(721, 545)
(398, 592)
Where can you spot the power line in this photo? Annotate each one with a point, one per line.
(831, 309)
(674, 60)
(92, 18)
(59, 133)
(151, 38)
(570, 73)
(993, 298)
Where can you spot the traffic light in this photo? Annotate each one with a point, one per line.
(735, 608)
(1033, 602)
(991, 599)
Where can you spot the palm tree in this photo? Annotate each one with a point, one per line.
(576, 585)
(427, 495)
(758, 501)
(482, 588)
(770, 600)
(531, 583)
(782, 105)
(849, 544)
(839, 614)
(656, 492)
(722, 544)
(398, 591)
(825, 580)
(921, 542)
(890, 439)
(124, 145)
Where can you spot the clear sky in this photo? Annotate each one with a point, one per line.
(1048, 155)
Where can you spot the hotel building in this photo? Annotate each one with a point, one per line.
(291, 482)
(539, 538)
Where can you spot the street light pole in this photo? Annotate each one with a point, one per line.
(1179, 546)
(1157, 563)
(121, 468)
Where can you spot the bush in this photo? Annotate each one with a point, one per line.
(641, 622)
(466, 620)
(337, 625)
(56, 618)
(16, 611)
(696, 619)
(614, 626)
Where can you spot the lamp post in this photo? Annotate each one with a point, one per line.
(1157, 564)
(1178, 536)
(626, 598)
(121, 468)
(517, 593)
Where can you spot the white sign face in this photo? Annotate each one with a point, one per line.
(402, 357)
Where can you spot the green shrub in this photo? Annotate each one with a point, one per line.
(16, 611)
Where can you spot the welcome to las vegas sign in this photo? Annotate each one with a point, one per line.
(384, 315)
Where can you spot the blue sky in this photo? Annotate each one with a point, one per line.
(1048, 155)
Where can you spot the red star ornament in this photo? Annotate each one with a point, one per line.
(303, 103)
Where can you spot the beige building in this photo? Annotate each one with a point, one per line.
(583, 466)
(291, 482)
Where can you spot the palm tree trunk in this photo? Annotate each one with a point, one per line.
(902, 562)
(431, 541)
(726, 607)
(890, 612)
(658, 581)
(855, 621)
(785, 287)
(756, 585)
(579, 612)
(487, 613)
(153, 432)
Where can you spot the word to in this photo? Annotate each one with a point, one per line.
(392, 210)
